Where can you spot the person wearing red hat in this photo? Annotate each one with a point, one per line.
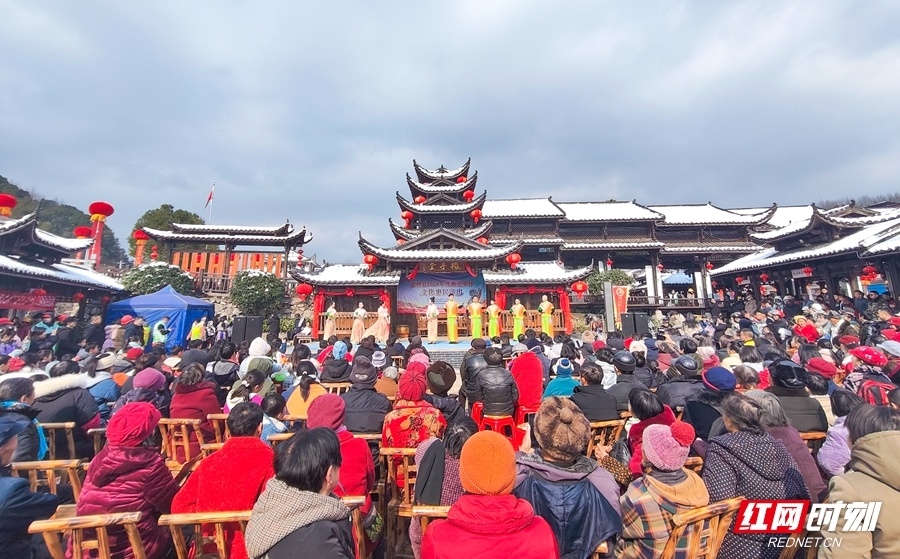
(413, 419)
(866, 377)
(128, 475)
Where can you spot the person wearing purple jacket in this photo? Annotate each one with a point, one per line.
(834, 455)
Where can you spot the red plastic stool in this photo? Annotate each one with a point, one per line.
(478, 413)
(522, 413)
(503, 424)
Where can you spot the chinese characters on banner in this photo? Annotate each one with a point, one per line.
(413, 294)
(791, 517)
(620, 303)
(26, 301)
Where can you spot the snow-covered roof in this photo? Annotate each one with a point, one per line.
(464, 207)
(276, 230)
(417, 255)
(62, 244)
(441, 172)
(536, 272)
(798, 221)
(612, 245)
(731, 248)
(299, 236)
(428, 188)
(858, 241)
(529, 207)
(471, 233)
(527, 239)
(346, 274)
(707, 214)
(58, 273)
(607, 211)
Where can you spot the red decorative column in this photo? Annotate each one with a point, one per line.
(99, 212)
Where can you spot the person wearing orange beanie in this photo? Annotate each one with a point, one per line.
(488, 520)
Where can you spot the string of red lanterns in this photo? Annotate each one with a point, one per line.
(579, 288)
(476, 215)
(469, 195)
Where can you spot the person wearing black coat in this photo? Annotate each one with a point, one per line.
(592, 399)
(440, 378)
(66, 340)
(702, 410)
(335, 370)
(625, 364)
(65, 398)
(273, 327)
(472, 364)
(19, 507)
(94, 332)
(135, 329)
(789, 382)
(683, 384)
(365, 408)
(415, 342)
(495, 386)
(366, 348)
(16, 397)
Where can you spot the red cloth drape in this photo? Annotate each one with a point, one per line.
(566, 307)
(318, 307)
(500, 298)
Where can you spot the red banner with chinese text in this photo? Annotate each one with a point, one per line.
(620, 302)
(26, 301)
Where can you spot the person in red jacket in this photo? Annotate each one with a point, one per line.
(194, 398)
(528, 372)
(488, 521)
(357, 473)
(129, 475)
(803, 327)
(232, 478)
(648, 409)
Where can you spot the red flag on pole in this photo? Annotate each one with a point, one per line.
(209, 198)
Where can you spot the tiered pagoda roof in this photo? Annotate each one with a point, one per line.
(441, 203)
(441, 186)
(409, 234)
(232, 235)
(428, 176)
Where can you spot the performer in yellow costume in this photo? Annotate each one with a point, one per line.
(476, 311)
(518, 312)
(493, 320)
(451, 307)
(546, 308)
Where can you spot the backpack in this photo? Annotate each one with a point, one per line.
(875, 392)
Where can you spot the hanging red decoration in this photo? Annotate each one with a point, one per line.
(609, 263)
(39, 292)
(84, 232)
(216, 259)
(660, 267)
(349, 292)
(483, 240)
(476, 215)
(869, 270)
(764, 277)
(532, 290)
(461, 179)
(513, 260)
(370, 260)
(469, 195)
(78, 297)
(709, 266)
(154, 252)
(807, 271)
(739, 279)
(714, 283)
(407, 217)
(138, 234)
(401, 241)
(7, 203)
(257, 257)
(105, 299)
(419, 199)
(579, 288)
(199, 258)
(304, 290)
(100, 211)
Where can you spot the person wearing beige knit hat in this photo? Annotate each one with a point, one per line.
(558, 476)
(488, 521)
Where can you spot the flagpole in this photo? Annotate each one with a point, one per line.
(212, 200)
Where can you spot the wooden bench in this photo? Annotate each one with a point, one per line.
(604, 433)
(99, 437)
(177, 433)
(704, 528)
(58, 527)
(50, 468)
(50, 432)
(337, 387)
(219, 422)
(814, 440)
(197, 521)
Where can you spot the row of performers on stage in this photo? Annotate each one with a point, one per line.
(476, 310)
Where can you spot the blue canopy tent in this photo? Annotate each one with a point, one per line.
(678, 278)
(181, 310)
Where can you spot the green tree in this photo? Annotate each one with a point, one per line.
(61, 219)
(257, 293)
(162, 218)
(153, 276)
(616, 276)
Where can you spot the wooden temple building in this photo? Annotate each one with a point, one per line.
(839, 250)
(39, 269)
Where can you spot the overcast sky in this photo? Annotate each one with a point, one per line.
(314, 111)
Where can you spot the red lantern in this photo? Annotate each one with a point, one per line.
(401, 241)
(709, 266)
(105, 299)
(100, 211)
(216, 259)
(233, 255)
(739, 279)
(869, 270)
(764, 277)
(532, 290)
(580, 288)
(609, 263)
(349, 292)
(84, 232)
(660, 267)
(78, 297)
(469, 195)
(257, 257)
(476, 215)
(39, 292)
(807, 271)
(304, 290)
(407, 217)
(513, 260)
(483, 240)
(200, 258)
(714, 283)
(370, 260)
(154, 252)
(461, 179)
(138, 235)
(419, 200)
(7, 203)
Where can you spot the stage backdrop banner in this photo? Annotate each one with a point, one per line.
(413, 294)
